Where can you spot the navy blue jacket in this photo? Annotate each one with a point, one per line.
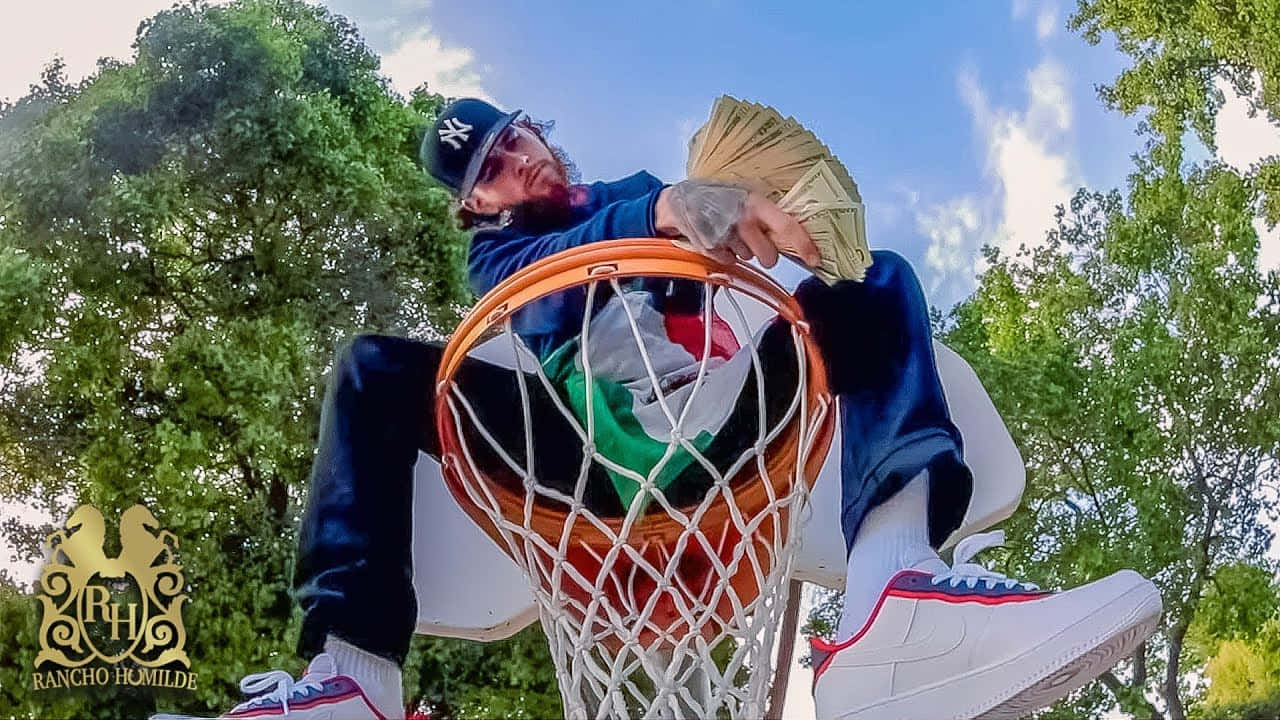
(613, 210)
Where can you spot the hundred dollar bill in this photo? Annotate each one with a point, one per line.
(755, 146)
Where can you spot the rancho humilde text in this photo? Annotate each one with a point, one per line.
(117, 675)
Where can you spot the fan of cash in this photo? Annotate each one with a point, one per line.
(753, 145)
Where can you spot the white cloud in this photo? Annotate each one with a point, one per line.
(1046, 19)
(23, 571)
(1268, 247)
(1029, 171)
(1026, 153)
(1046, 22)
(951, 228)
(1243, 141)
(81, 31)
(421, 56)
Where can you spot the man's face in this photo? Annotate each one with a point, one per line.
(520, 169)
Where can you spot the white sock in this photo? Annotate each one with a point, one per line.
(378, 677)
(894, 536)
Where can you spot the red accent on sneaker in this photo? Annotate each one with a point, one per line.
(981, 599)
(278, 710)
(889, 591)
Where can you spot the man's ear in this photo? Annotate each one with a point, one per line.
(479, 206)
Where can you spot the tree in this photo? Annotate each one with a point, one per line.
(513, 679)
(1241, 673)
(1180, 50)
(1134, 359)
(185, 239)
(1236, 634)
(1237, 604)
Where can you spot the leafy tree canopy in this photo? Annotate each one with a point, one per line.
(185, 239)
(1180, 51)
(1134, 358)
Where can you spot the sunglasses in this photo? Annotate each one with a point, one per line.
(508, 141)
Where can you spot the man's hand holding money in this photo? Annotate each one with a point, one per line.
(724, 221)
(754, 146)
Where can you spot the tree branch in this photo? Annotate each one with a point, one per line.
(1195, 585)
(1130, 699)
(1083, 479)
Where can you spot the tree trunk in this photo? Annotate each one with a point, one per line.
(1171, 697)
(1130, 697)
(1200, 572)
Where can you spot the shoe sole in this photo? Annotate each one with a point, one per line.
(1135, 614)
(1085, 668)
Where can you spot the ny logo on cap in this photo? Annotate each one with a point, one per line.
(455, 133)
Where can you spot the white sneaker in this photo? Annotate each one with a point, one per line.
(320, 694)
(972, 643)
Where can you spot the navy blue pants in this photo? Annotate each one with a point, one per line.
(355, 571)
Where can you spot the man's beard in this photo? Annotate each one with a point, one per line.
(548, 212)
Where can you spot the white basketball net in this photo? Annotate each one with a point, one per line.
(613, 658)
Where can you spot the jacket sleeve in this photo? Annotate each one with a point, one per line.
(496, 256)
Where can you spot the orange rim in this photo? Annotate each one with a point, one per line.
(619, 259)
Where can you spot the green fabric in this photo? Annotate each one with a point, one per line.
(619, 435)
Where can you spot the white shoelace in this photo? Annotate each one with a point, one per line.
(963, 571)
(275, 685)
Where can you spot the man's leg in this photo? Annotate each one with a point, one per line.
(876, 340)
(920, 639)
(354, 574)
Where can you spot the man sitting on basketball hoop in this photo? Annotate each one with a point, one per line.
(917, 639)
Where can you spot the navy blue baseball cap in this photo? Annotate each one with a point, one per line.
(454, 149)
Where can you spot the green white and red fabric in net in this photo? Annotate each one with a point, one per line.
(663, 610)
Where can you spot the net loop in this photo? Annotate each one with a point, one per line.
(667, 608)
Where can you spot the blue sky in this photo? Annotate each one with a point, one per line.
(963, 124)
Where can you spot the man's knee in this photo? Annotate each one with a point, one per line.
(360, 359)
(890, 274)
(367, 359)
(889, 262)
(366, 349)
